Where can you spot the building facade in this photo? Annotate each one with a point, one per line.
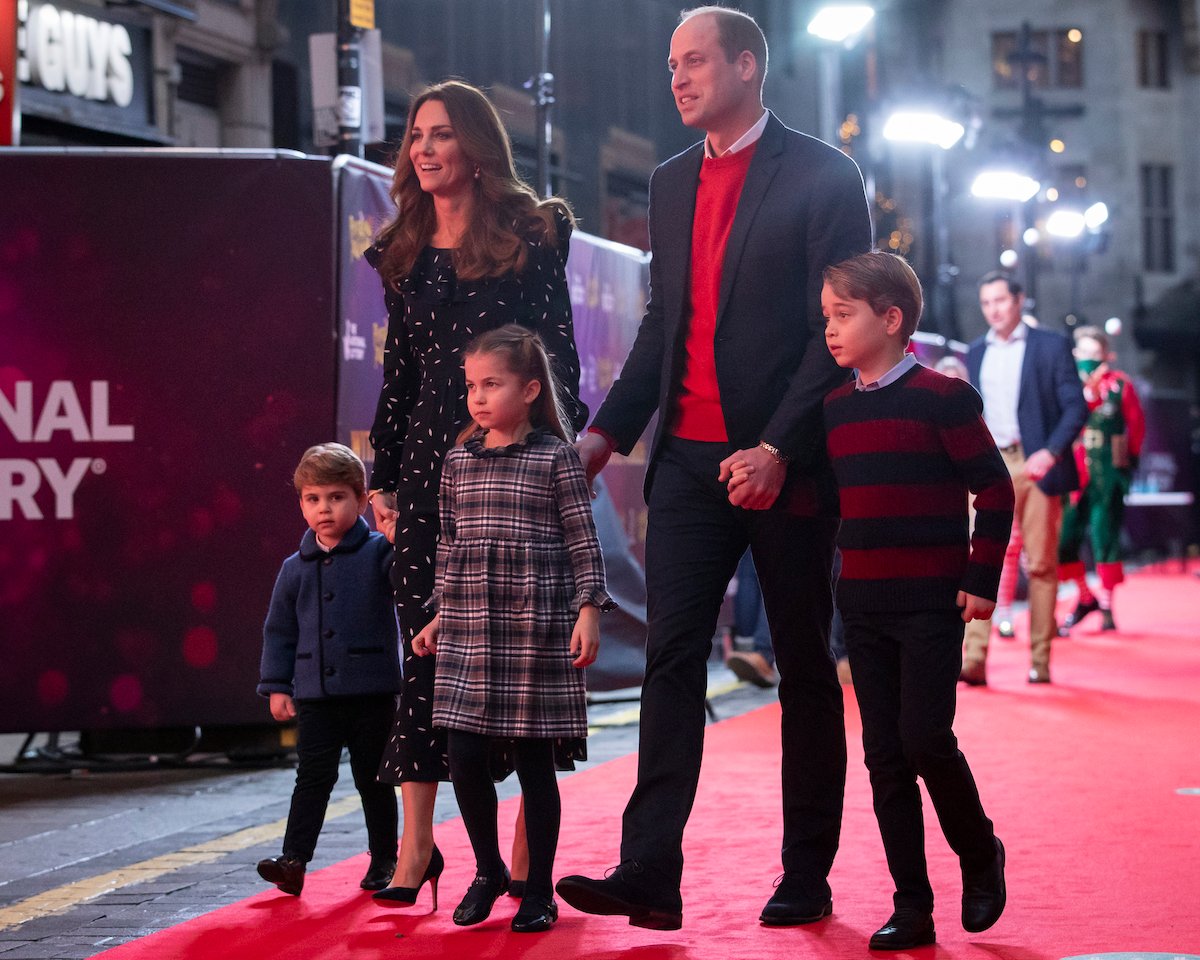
(1110, 115)
(186, 73)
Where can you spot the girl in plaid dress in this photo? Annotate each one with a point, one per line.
(519, 590)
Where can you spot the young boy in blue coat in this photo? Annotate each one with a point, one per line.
(330, 660)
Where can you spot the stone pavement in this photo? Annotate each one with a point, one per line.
(92, 860)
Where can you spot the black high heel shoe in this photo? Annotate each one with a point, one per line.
(481, 896)
(408, 895)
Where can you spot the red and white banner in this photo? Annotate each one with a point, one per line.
(10, 118)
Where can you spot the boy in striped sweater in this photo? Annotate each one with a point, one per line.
(907, 444)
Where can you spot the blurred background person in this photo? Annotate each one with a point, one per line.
(1106, 454)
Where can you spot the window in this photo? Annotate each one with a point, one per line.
(1158, 218)
(1054, 58)
(1152, 59)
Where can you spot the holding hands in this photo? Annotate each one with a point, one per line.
(425, 642)
(753, 478)
(383, 503)
(594, 453)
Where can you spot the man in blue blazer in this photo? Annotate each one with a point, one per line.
(1033, 404)
(731, 356)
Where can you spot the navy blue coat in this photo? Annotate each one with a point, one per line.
(331, 627)
(1050, 406)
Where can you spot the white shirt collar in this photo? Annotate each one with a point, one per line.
(750, 136)
(1020, 332)
(906, 364)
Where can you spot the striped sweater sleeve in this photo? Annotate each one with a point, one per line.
(969, 445)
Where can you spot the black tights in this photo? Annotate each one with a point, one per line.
(476, 794)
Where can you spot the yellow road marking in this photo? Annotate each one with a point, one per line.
(624, 718)
(72, 894)
(80, 891)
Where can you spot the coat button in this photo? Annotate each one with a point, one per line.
(329, 595)
(328, 561)
(327, 634)
(330, 671)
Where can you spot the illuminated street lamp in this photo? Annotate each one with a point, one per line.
(1082, 231)
(1018, 189)
(923, 126)
(840, 22)
(1005, 185)
(839, 25)
(1065, 224)
(1095, 216)
(932, 128)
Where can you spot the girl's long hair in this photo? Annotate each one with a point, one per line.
(506, 212)
(525, 355)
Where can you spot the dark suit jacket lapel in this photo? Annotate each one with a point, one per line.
(762, 171)
(1028, 388)
(681, 204)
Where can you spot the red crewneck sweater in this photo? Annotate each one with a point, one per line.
(698, 414)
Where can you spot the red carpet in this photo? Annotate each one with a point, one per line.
(1081, 778)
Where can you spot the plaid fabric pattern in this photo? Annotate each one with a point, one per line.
(517, 557)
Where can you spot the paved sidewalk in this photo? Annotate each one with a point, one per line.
(92, 860)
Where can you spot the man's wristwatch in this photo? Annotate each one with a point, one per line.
(779, 456)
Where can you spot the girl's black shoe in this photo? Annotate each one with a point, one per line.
(481, 896)
(408, 895)
(536, 914)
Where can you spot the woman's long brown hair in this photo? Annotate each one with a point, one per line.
(506, 212)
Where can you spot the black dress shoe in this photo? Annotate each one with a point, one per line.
(905, 929)
(378, 875)
(626, 892)
(984, 894)
(481, 896)
(287, 873)
(535, 915)
(1082, 609)
(797, 900)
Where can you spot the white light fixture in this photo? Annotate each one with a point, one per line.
(1004, 185)
(1095, 216)
(1031, 237)
(923, 126)
(838, 22)
(1112, 326)
(1067, 224)
(1008, 259)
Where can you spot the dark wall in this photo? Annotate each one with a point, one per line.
(167, 347)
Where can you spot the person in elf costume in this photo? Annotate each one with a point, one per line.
(1106, 453)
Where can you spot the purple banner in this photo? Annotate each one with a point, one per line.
(363, 207)
(609, 283)
(166, 355)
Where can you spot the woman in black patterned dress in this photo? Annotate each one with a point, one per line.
(470, 249)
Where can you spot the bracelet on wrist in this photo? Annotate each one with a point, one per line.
(778, 455)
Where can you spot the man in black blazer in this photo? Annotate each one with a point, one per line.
(1033, 404)
(731, 355)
